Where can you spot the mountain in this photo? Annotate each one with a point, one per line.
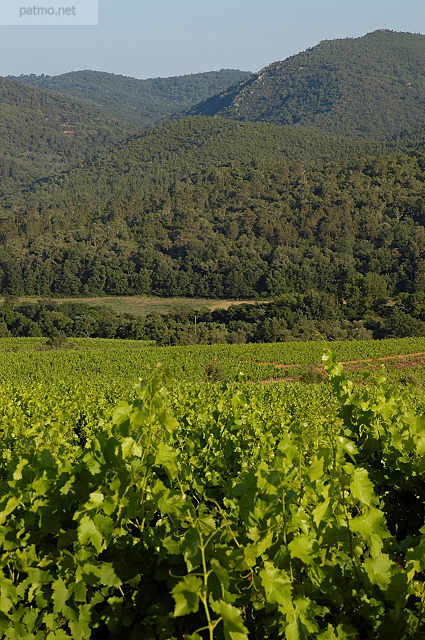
(42, 134)
(373, 86)
(213, 208)
(139, 102)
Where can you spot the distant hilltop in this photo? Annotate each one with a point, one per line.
(373, 86)
(137, 102)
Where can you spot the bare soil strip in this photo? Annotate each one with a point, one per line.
(401, 360)
(344, 362)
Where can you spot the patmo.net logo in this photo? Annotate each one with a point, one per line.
(49, 12)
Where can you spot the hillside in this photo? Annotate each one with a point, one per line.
(177, 150)
(139, 102)
(188, 209)
(42, 134)
(373, 86)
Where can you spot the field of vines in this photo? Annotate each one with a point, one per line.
(201, 499)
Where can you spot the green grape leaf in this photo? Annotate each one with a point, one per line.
(108, 576)
(302, 614)
(30, 619)
(379, 570)
(186, 595)
(362, 487)
(420, 444)
(276, 584)
(60, 595)
(221, 573)
(316, 469)
(343, 632)
(97, 497)
(233, 627)
(7, 595)
(166, 456)
(88, 532)
(60, 634)
(80, 629)
(320, 511)
(304, 548)
(11, 505)
(121, 412)
(372, 527)
(191, 550)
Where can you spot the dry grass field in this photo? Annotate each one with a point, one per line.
(142, 306)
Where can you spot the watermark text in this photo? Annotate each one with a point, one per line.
(54, 12)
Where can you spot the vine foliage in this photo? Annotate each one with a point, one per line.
(158, 529)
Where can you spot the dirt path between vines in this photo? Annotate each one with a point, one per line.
(278, 365)
(401, 361)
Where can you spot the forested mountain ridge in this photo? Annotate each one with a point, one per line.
(186, 210)
(138, 102)
(42, 134)
(373, 86)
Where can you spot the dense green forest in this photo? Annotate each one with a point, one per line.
(147, 219)
(139, 102)
(42, 134)
(373, 86)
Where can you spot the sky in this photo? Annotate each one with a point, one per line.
(153, 38)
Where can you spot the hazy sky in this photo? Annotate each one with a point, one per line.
(149, 38)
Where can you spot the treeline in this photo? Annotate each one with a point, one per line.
(292, 317)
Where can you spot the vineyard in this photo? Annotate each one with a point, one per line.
(208, 505)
